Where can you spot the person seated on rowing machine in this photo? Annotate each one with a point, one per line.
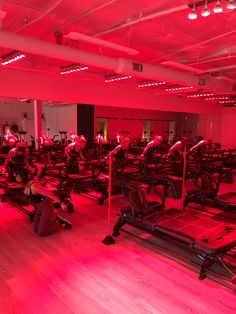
(177, 150)
(17, 159)
(151, 148)
(46, 221)
(9, 139)
(74, 151)
(73, 136)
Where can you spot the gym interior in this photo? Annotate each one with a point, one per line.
(117, 156)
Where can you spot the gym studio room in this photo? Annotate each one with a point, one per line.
(117, 156)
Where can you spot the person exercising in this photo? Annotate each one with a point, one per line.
(119, 153)
(100, 138)
(176, 154)
(151, 148)
(46, 221)
(74, 151)
(73, 136)
(177, 150)
(46, 147)
(200, 146)
(118, 138)
(10, 139)
(17, 159)
(45, 141)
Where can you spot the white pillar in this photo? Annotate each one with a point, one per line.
(37, 120)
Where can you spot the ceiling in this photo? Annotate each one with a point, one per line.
(159, 30)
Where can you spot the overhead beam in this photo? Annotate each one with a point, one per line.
(74, 90)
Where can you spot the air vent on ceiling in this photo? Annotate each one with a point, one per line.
(138, 67)
(202, 82)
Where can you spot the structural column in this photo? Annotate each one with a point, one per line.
(85, 121)
(37, 120)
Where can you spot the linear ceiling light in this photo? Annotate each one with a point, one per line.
(217, 98)
(110, 79)
(149, 84)
(73, 68)
(200, 95)
(178, 88)
(227, 102)
(11, 57)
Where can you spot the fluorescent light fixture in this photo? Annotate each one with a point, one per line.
(149, 84)
(110, 79)
(227, 102)
(11, 57)
(73, 68)
(178, 88)
(101, 43)
(200, 95)
(217, 98)
(23, 99)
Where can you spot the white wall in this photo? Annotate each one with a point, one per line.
(210, 127)
(60, 118)
(228, 138)
(14, 112)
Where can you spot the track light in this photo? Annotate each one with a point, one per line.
(205, 12)
(231, 4)
(218, 7)
(73, 68)
(193, 14)
(11, 57)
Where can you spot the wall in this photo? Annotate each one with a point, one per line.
(60, 118)
(214, 126)
(130, 120)
(14, 112)
(210, 126)
(187, 124)
(228, 138)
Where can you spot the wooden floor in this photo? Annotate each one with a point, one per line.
(73, 272)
